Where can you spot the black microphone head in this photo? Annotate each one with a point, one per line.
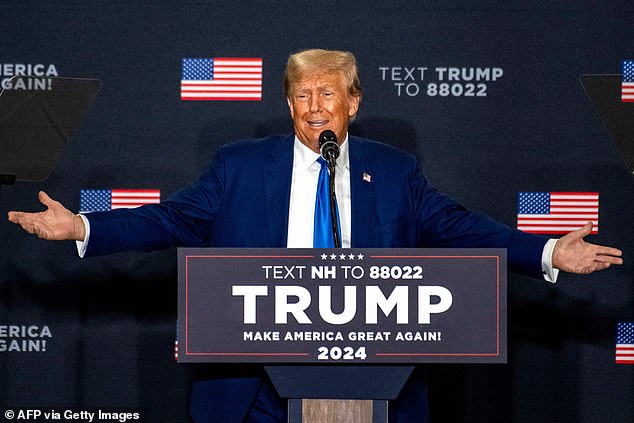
(328, 146)
(326, 136)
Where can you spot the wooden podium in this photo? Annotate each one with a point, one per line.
(339, 331)
(353, 393)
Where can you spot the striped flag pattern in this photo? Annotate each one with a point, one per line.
(91, 200)
(627, 86)
(557, 212)
(625, 343)
(238, 79)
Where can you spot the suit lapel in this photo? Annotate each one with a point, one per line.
(277, 174)
(362, 196)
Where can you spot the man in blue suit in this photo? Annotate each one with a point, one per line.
(261, 193)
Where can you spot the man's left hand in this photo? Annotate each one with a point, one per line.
(572, 254)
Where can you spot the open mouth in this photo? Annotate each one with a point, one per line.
(317, 123)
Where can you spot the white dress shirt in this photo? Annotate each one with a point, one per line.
(301, 210)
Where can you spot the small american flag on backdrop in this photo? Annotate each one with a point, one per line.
(91, 200)
(625, 343)
(627, 86)
(557, 212)
(176, 343)
(222, 78)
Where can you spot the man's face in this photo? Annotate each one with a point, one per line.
(318, 102)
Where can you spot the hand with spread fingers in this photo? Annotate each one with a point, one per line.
(56, 223)
(572, 254)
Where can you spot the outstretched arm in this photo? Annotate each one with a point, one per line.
(572, 254)
(55, 223)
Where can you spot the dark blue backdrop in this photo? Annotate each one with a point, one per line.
(112, 319)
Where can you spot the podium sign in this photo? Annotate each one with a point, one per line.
(342, 305)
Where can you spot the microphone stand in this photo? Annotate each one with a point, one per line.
(329, 150)
(333, 200)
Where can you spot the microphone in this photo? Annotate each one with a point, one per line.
(329, 150)
(328, 146)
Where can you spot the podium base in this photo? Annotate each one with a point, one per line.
(336, 411)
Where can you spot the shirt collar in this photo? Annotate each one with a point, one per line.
(305, 157)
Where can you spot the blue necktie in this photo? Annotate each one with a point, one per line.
(322, 232)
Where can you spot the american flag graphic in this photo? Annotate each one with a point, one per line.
(627, 86)
(176, 343)
(557, 212)
(91, 200)
(222, 79)
(625, 343)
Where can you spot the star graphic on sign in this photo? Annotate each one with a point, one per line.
(351, 257)
(342, 256)
(333, 257)
(360, 256)
(324, 256)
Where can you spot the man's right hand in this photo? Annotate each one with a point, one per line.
(55, 223)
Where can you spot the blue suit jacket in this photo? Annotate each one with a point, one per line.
(242, 200)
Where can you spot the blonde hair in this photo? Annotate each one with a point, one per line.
(323, 61)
